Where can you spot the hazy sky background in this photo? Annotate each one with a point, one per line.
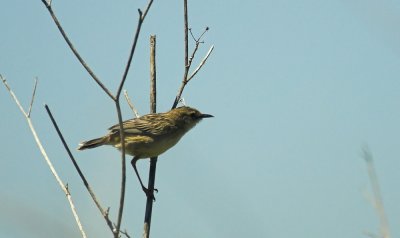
(296, 87)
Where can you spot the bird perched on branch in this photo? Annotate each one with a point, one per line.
(149, 135)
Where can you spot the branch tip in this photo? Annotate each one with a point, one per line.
(47, 3)
(33, 97)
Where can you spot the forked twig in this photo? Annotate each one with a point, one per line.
(76, 53)
(135, 39)
(201, 63)
(188, 60)
(117, 104)
(115, 98)
(44, 154)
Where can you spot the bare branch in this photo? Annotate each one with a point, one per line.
(135, 40)
(204, 32)
(85, 182)
(123, 171)
(197, 40)
(130, 104)
(125, 233)
(115, 98)
(188, 61)
(71, 46)
(153, 161)
(147, 9)
(191, 59)
(117, 104)
(153, 75)
(185, 77)
(13, 96)
(33, 98)
(186, 28)
(201, 63)
(48, 161)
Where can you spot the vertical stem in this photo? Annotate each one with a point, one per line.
(186, 29)
(153, 75)
(149, 202)
(187, 64)
(123, 171)
(153, 161)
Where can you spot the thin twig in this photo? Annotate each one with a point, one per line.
(33, 98)
(103, 212)
(126, 234)
(201, 36)
(135, 40)
(186, 29)
(191, 59)
(384, 225)
(201, 63)
(13, 96)
(118, 107)
(48, 161)
(188, 60)
(131, 105)
(72, 47)
(186, 57)
(204, 32)
(123, 171)
(147, 9)
(115, 98)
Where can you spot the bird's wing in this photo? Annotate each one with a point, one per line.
(151, 124)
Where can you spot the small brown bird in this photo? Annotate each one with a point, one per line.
(150, 135)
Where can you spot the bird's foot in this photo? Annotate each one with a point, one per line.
(150, 192)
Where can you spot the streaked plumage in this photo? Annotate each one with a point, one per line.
(151, 134)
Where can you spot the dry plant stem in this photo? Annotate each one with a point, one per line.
(186, 49)
(138, 28)
(133, 108)
(123, 172)
(33, 98)
(153, 161)
(85, 182)
(186, 29)
(44, 154)
(117, 104)
(384, 225)
(71, 46)
(149, 201)
(115, 98)
(186, 79)
(188, 60)
(153, 75)
(201, 63)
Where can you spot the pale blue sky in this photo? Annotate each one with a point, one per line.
(296, 87)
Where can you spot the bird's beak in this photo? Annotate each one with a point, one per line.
(206, 115)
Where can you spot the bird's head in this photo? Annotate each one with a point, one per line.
(187, 116)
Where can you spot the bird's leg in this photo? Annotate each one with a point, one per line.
(148, 192)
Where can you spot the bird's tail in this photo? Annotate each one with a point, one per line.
(93, 143)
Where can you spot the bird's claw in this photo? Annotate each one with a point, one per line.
(150, 192)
